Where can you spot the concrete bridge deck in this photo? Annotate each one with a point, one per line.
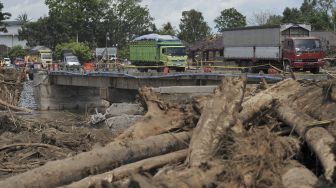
(59, 90)
(135, 81)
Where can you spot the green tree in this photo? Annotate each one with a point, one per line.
(274, 20)
(325, 5)
(16, 51)
(81, 50)
(80, 18)
(23, 18)
(124, 21)
(47, 31)
(167, 29)
(292, 15)
(193, 27)
(230, 18)
(3, 16)
(260, 18)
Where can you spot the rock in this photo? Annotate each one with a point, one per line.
(122, 122)
(118, 109)
(27, 99)
(97, 118)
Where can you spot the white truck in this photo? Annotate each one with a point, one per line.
(283, 46)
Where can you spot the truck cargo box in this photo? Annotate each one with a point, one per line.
(260, 42)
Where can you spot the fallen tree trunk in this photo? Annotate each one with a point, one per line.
(62, 172)
(160, 118)
(219, 114)
(12, 107)
(264, 99)
(295, 176)
(129, 169)
(187, 178)
(318, 139)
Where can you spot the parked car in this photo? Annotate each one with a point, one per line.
(7, 61)
(19, 62)
(70, 59)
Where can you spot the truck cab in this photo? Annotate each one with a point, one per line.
(303, 53)
(70, 60)
(173, 56)
(46, 57)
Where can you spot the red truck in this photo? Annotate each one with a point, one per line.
(303, 53)
(283, 46)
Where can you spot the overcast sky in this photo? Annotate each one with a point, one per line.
(168, 10)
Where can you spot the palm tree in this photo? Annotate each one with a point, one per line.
(23, 18)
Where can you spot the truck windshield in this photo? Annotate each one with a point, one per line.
(304, 45)
(71, 59)
(175, 51)
(45, 56)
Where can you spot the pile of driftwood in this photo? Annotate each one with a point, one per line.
(10, 88)
(282, 136)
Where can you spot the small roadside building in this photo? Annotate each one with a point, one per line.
(210, 49)
(11, 37)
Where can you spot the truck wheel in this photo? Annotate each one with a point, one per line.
(315, 70)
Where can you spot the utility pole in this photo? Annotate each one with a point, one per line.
(107, 39)
(12, 40)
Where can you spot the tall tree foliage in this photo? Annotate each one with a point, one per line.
(274, 20)
(23, 18)
(167, 29)
(230, 18)
(3, 16)
(90, 21)
(46, 31)
(80, 17)
(317, 13)
(260, 18)
(17, 51)
(193, 27)
(81, 50)
(124, 21)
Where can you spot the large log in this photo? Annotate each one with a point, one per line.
(187, 178)
(62, 172)
(295, 175)
(129, 169)
(318, 139)
(15, 108)
(219, 114)
(160, 118)
(264, 99)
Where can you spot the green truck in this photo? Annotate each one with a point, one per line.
(155, 51)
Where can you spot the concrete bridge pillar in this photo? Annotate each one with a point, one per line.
(57, 97)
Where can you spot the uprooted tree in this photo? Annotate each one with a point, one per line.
(232, 138)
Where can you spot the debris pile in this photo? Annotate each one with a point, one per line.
(27, 143)
(10, 88)
(281, 136)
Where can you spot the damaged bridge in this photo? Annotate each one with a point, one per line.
(61, 90)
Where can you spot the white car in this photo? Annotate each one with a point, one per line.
(7, 61)
(71, 60)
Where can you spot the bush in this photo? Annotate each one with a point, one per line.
(16, 51)
(81, 50)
